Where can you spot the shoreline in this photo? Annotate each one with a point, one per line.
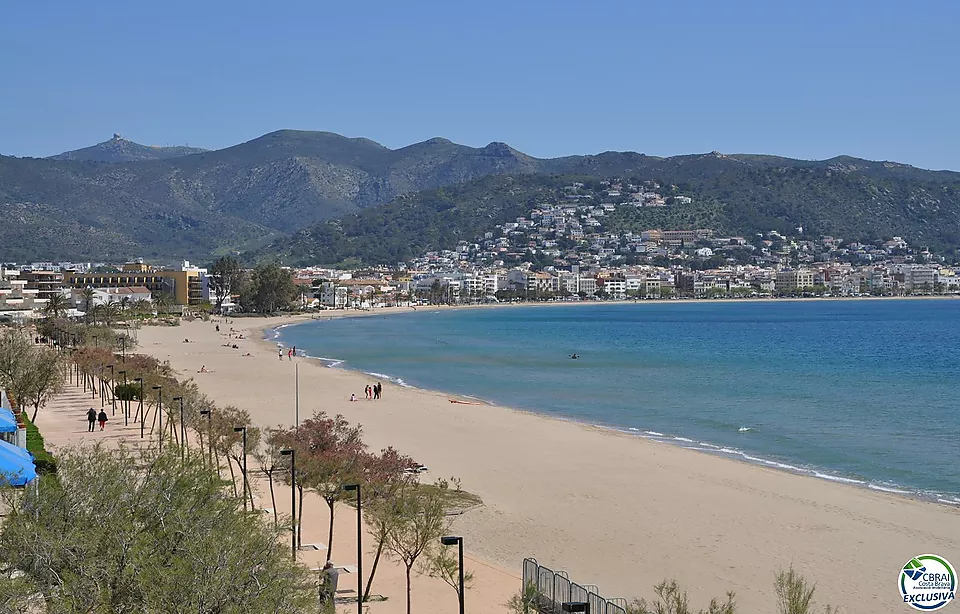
(613, 510)
(793, 467)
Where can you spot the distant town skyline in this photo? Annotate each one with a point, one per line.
(808, 81)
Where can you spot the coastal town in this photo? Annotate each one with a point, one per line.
(557, 253)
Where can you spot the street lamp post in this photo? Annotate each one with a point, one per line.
(293, 500)
(206, 412)
(159, 390)
(125, 406)
(183, 434)
(140, 408)
(449, 541)
(356, 487)
(243, 429)
(113, 391)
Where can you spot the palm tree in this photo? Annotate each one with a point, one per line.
(94, 314)
(87, 294)
(110, 312)
(124, 304)
(162, 302)
(57, 306)
(141, 306)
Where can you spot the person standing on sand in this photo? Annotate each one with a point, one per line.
(91, 419)
(376, 390)
(280, 353)
(102, 419)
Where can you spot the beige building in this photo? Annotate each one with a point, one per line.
(185, 284)
(794, 279)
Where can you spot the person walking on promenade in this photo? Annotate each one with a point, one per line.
(329, 579)
(91, 419)
(102, 419)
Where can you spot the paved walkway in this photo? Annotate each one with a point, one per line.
(64, 420)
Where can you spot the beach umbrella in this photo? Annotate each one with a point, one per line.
(8, 423)
(16, 465)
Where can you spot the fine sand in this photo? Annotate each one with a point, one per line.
(613, 510)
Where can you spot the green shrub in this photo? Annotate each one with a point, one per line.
(126, 392)
(43, 459)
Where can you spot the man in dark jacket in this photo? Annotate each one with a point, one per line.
(91, 419)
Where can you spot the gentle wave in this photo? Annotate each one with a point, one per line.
(390, 378)
(895, 491)
(837, 478)
(709, 448)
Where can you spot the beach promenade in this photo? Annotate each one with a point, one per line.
(63, 422)
(613, 510)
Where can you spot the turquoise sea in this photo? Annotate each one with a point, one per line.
(865, 392)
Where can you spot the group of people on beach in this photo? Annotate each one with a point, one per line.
(290, 352)
(93, 417)
(371, 393)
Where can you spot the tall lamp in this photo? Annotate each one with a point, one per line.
(183, 436)
(451, 540)
(159, 390)
(356, 487)
(206, 412)
(243, 429)
(140, 409)
(293, 499)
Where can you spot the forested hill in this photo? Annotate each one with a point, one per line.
(850, 199)
(244, 197)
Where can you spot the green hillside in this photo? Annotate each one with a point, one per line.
(269, 189)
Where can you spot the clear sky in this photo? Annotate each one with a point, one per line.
(810, 79)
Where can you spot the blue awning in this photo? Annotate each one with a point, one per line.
(16, 465)
(8, 423)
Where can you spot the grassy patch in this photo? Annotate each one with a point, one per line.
(45, 462)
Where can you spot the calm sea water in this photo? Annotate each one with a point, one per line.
(858, 391)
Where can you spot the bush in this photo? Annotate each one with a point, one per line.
(794, 596)
(126, 392)
(671, 600)
(45, 462)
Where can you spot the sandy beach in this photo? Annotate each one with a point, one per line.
(613, 510)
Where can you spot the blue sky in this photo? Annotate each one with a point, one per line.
(802, 79)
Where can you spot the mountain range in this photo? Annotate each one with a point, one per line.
(274, 195)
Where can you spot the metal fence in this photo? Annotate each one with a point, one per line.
(554, 588)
